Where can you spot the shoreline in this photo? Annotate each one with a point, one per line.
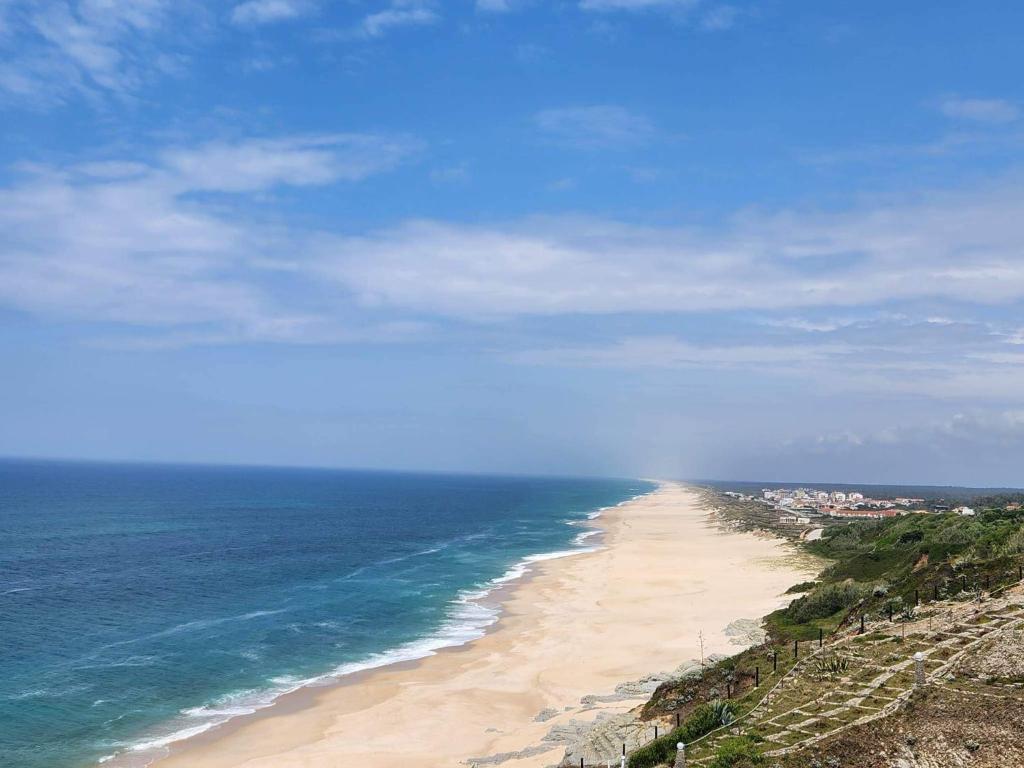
(540, 616)
(300, 693)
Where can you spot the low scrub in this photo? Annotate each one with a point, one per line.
(825, 600)
(703, 720)
(741, 752)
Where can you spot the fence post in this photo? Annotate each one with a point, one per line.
(918, 669)
(890, 611)
(655, 732)
(862, 623)
(821, 637)
(757, 677)
(677, 719)
(796, 649)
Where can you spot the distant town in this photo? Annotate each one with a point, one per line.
(797, 506)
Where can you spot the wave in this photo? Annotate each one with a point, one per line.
(468, 618)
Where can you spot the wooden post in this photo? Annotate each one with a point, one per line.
(796, 649)
(581, 762)
(655, 732)
(890, 611)
(821, 637)
(677, 719)
(757, 677)
(862, 623)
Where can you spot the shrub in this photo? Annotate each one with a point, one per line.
(704, 719)
(741, 752)
(824, 601)
(803, 586)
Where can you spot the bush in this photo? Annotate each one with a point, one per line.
(824, 601)
(701, 721)
(741, 752)
(803, 586)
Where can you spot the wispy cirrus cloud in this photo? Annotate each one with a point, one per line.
(296, 161)
(595, 126)
(637, 5)
(56, 48)
(400, 13)
(962, 247)
(254, 12)
(127, 242)
(991, 111)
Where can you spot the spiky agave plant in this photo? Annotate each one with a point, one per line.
(723, 712)
(832, 666)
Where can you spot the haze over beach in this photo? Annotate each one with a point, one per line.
(511, 383)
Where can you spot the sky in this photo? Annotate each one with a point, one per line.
(758, 240)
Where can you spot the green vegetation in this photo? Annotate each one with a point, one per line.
(898, 563)
(885, 569)
(825, 600)
(703, 720)
(738, 752)
(803, 586)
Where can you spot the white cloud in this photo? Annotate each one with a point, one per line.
(637, 5)
(268, 11)
(599, 126)
(125, 242)
(59, 47)
(401, 13)
(669, 352)
(979, 110)
(967, 247)
(297, 161)
(496, 6)
(720, 18)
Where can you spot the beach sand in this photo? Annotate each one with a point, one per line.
(665, 576)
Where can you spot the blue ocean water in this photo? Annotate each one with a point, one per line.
(139, 603)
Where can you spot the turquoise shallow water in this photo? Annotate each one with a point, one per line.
(141, 603)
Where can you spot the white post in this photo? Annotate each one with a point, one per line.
(680, 755)
(918, 669)
(623, 761)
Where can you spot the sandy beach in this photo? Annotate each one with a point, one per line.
(664, 578)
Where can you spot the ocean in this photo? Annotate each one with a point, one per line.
(143, 603)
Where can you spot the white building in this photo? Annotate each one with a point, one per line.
(965, 511)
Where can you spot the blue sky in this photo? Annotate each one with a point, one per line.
(686, 238)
